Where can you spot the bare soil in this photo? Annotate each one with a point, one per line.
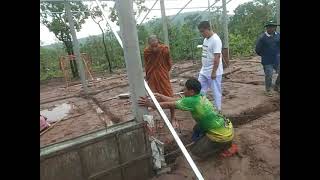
(259, 146)
(256, 119)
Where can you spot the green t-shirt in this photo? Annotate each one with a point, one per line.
(216, 127)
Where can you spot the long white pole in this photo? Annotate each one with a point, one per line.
(164, 23)
(173, 132)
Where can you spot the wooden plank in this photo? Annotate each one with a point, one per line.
(249, 82)
(106, 110)
(245, 60)
(232, 71)
(58, 99)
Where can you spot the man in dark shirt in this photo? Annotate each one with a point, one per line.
(268, 47)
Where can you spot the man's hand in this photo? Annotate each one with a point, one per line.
(144, 101)
(216, 61)
(213, 75)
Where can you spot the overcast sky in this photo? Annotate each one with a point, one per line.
(90, 28)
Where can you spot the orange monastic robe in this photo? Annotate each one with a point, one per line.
(157, 66)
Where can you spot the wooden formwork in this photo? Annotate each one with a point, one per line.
(122, 152)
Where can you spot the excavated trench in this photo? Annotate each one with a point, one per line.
(255, 113)
(172, 150)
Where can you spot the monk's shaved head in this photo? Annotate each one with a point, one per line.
(153, 42)
(152, 38)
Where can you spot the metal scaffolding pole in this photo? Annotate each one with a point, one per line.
(278, 13)
(181, 10)
(131, 55)
(209, 15)
(206, 9)
(70, 0)
(202, 7)
(225, 33)
(105, 17)
(164, 23)
(76, 48)
(225, 25)
(54, 12)
(211, 7)
(148, 12)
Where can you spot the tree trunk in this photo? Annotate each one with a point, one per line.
(106, 53)
(105, 49)
(111, 48)
(104, 42)
(73, 64)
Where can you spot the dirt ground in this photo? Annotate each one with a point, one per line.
(256, 119)
(259, 146)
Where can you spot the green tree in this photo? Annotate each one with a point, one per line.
(57, 23)
(244, 28)
(49, 63)
(248, 22)
(96, 16)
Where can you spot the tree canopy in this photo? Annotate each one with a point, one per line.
(245, 26)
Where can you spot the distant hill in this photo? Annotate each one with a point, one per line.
(181, 16)
(60, 44)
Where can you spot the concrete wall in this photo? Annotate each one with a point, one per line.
(120, 153)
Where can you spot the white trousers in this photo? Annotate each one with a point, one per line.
(215, 85)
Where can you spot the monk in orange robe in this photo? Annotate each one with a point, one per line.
(157, 64)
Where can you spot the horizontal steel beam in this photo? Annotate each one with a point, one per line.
(85, 0)
(180, 8)
(69, 0)
(62, 12)
(150, 9)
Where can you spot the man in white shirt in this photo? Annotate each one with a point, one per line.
(210, 75)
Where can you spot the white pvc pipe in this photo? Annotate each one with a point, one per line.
(173, 132)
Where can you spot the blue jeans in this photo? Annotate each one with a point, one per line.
(268, 71)
(278, 79)
(197, 133)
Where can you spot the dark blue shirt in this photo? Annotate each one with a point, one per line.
(269, 49)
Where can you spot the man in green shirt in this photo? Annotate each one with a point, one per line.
(213, 133)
